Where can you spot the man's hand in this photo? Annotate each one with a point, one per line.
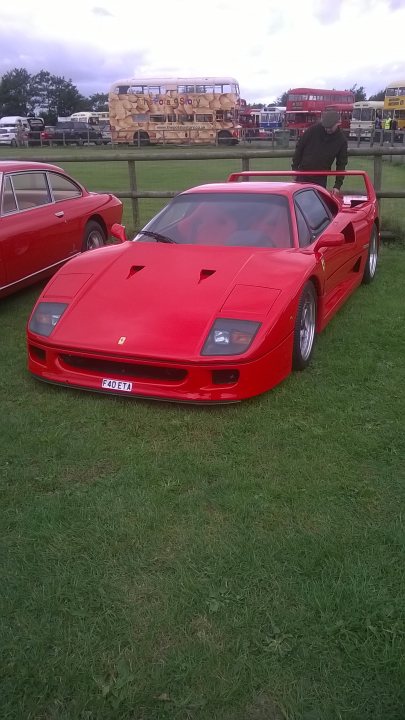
(335, 191)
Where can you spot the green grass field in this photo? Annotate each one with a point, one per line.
(245, 562)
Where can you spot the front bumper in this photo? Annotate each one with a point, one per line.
(222, 380)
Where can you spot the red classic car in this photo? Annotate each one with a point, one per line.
(217, 299)
(46, 218)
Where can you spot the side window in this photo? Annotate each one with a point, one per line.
(304, 234)
(314, 211)
(8, 203)
(63, 188)
(31, 189)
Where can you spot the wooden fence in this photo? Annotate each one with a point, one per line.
(245, 155)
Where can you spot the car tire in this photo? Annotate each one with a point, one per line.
(94, 236)
(14, 143)
(305, 328)
(224, 137)
(141, 138)
(372, 257)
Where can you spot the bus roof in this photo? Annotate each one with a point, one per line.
(369, 103)
(319, 90)
(86, 113)
(396, 83)
(176, 80)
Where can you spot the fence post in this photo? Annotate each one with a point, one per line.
(377, 175)
(245, 163)
(133, 188)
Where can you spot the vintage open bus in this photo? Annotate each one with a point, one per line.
(181, 111)
(394, 102)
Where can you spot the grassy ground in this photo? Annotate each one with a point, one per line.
(165, 562)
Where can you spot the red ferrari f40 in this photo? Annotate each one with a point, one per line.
(218, 298)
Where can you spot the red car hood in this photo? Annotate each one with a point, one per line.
(157, 300)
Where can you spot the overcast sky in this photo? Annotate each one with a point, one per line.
(269, 46)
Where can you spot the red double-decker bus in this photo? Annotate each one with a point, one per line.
(305, 106)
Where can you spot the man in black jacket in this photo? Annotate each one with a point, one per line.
(318, 147)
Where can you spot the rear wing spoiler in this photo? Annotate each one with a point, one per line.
(247, 174)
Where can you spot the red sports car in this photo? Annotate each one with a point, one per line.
(217, 299)
(46, 218)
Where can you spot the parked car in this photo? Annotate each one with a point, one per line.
(71, 133)
(39, 136)
(36, 127)
(47, 217)
(8, 136)
(217, 299)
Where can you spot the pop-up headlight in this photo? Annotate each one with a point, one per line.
(230, 337)
(45, 317)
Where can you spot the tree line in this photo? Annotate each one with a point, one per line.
(44, 95)
(52, 96)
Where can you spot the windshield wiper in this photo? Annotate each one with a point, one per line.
(158, 237)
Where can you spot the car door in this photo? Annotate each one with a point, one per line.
(32, 229)
(313, 218)
(70, 204)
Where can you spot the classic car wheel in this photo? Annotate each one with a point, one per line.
(94, 236)
(372, 257)
(305, 326)
(14, 143)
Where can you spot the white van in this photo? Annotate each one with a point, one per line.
(10, 121)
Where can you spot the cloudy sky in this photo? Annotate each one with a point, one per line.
(269, 46)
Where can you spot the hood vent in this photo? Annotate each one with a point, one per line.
(134, 269)
(204, 274)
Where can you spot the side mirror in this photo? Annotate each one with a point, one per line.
(118, 232)
(330, 240)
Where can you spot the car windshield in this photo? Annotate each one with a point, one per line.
(228, 219)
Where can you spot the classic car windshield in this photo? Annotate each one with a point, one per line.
(238, 219)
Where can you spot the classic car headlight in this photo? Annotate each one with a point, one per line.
(230, 337)
(46, 315)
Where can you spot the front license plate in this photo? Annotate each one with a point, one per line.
(122, 385)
